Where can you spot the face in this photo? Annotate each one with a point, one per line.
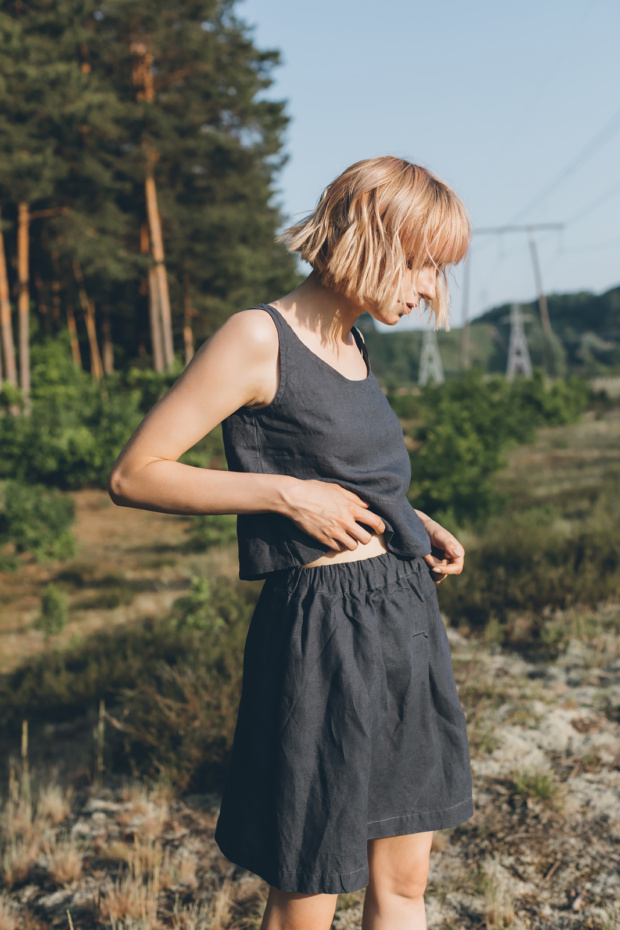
(423, 281)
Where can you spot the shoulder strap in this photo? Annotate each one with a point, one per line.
(361, 344)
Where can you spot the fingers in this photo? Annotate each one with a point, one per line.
(354, 497)
(372, 519)
(444, 566)
(353, 534)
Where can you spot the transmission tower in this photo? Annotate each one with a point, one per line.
(530, 229)
(518, 354)
(430, 360)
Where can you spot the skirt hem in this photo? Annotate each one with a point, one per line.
(301, 882)
(421, 821)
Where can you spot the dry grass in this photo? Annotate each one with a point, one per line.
(64, 861)
(8, 913)
(134, 895)
(54, 802)
(499, 912)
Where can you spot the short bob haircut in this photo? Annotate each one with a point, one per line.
(377, 218)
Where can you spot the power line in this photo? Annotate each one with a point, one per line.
(565, 45)
(595, 203)
(598, 141)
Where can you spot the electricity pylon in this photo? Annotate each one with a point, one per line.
(518, 354)
(430, 360)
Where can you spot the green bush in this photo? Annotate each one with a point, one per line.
(530, 560)
(207, 531)
(35, 520)
(77, 428)
(54, 610)
(469, 423)
(172, 683)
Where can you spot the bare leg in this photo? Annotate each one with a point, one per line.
(398, 874)
(288, 910)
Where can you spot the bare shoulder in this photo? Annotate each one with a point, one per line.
(241, 358)
(252, 330)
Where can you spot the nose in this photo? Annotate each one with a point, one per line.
(428, 282)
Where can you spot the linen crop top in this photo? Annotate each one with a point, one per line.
(325, 426)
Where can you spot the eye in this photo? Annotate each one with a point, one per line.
(409, 265)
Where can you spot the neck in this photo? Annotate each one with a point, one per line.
(322, 309)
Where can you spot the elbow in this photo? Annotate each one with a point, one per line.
(117, 487)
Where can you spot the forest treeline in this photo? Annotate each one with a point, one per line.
(138, 158)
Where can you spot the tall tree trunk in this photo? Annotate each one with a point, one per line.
(56, 290)
(108, 347)
(23, 300)
(143, 81)
(188, 313)
(75, 343)
(154, 312)
(157, 245)
(89, 318)
(42, 307)
(8, 345)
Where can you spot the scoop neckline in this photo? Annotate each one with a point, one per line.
(322, 360)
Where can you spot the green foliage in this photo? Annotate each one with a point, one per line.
(468, 423)
(74, 434)
(76, 135)
(180, 721)
(54, 610)
(173, 684)
(211, 530)
(37, 521)
(534, 784)
(532, 559)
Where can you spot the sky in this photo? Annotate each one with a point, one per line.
(516, 106)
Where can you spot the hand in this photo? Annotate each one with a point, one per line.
(447, 554)
(329, 512)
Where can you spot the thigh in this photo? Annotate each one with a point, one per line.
(399, 864)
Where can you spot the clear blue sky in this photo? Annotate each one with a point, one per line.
(499, 99)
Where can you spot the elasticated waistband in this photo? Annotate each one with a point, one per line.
(377, 571)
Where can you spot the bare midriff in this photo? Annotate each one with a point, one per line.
(375, 546)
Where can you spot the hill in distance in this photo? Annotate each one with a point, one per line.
(586, 329)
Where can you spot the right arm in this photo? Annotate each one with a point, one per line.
(235, 367)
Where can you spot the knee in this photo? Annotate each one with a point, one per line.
(406, 886)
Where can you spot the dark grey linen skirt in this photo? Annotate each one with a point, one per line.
(349, 724)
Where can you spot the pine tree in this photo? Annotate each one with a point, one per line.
(113, 182)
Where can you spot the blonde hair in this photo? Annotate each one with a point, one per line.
(380, 216)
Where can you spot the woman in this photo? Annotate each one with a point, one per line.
(351, 745)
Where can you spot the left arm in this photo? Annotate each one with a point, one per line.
(447, 556)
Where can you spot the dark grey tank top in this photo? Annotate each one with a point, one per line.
(324, 426)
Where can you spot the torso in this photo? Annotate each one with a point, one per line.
(364, 551)
(349, 363)
(315, 421)
(354, 368)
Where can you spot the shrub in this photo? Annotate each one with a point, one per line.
(54, 611)
(36, 520)
(77, 428)
(173, 685)
(180, 721)
(468, 424)
(536, 558)
(210, 530)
